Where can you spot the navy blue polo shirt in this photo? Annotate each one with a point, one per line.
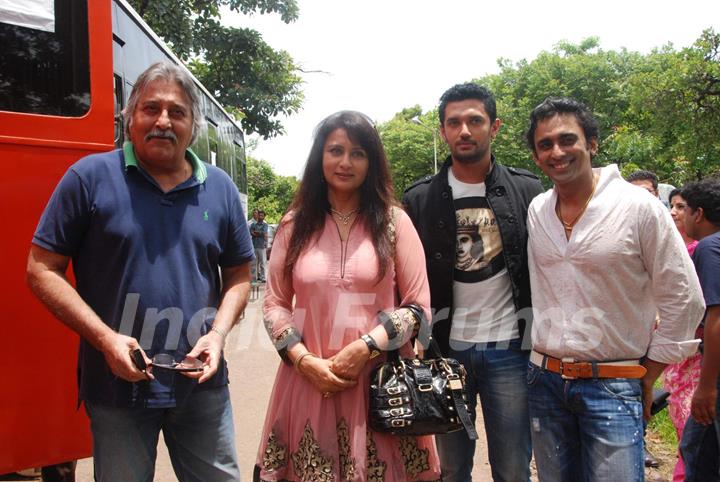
(147, 262)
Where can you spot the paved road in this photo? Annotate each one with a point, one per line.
(252, 362)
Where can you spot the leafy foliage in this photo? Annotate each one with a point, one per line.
(268, 191)
(659, 111)
(253, 81)
(409, 146)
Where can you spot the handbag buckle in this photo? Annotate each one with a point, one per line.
(394, 390)
(454, 381)
(425, 387)
(396, 412)
(394, 402)
(397, 422)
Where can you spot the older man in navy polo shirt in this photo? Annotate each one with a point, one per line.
(161, 254)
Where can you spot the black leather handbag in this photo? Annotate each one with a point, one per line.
(419, 396)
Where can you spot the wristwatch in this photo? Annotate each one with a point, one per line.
(372, 346)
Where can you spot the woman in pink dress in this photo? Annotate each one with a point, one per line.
(681, 379)
(344, 259)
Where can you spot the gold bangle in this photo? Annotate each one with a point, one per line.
(299, 359)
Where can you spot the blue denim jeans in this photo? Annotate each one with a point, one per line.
(586, 429)
(496, 373)
(199, 435)
(700, 449)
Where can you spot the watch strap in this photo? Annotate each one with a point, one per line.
(372, 346)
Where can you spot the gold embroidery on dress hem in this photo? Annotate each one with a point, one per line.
(275, 455)
(375, 467)
(347, 463)
(415, 459)
(308, 461)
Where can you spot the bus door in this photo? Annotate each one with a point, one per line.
(55, 107)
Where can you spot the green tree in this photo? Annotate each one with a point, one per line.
(409, 146)
(584, 71)
(675, 101)
(659, 111)
(268, 191)
(252, 80)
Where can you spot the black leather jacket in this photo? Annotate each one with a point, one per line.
(429, 202)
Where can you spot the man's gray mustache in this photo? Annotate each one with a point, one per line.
(162, 135)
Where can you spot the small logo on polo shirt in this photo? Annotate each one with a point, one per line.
(205, 216)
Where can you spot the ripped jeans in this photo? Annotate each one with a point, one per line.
(587, 429)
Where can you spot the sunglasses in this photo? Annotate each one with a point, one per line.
(165, 361)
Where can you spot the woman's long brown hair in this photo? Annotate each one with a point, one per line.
(310, 205)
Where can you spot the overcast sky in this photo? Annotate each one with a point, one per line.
(384, 55)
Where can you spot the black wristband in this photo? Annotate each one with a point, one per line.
(372, 345)
(289, 340)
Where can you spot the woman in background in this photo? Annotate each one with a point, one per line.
(681, 379)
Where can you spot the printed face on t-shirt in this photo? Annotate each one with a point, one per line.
(477, 241)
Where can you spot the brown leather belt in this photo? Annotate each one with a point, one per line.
(569, 368)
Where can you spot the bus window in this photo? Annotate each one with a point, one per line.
(240, 170)
(43, 71)
(212, 143)
(119, 104)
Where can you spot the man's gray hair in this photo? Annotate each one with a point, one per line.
(171, 73)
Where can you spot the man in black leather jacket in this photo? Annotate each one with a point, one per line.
(471, 219)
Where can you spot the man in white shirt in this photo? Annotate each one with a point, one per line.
(603, 261)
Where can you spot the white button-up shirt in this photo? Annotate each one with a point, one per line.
(596, 296)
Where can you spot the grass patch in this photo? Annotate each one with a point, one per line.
(663, 426)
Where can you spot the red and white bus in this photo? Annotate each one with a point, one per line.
(66, 70)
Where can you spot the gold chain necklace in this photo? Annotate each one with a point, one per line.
(345, 218)
(569, 226)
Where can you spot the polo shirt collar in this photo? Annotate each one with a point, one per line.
(199, 169)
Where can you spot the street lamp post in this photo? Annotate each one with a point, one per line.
(417, 121)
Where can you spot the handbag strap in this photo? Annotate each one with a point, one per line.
(461, 410)
(433, 351)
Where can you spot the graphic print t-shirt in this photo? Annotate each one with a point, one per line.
(483, 305)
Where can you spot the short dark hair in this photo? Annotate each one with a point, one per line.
(469, 90)
(673, 193)
(704, 194)
(642, 175)
(260, 211)
(553, 106)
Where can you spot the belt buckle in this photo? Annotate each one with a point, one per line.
(563, 361)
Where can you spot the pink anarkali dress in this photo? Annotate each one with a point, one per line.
(332, 299)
